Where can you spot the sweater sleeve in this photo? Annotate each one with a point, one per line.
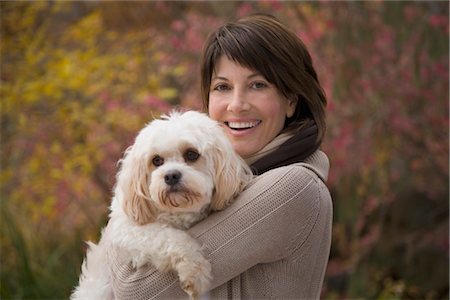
(269, 221)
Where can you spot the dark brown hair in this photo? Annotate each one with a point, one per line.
(263, 44)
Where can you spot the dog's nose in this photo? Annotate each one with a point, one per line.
(172, 177)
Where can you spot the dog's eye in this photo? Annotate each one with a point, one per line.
(157, 161)
(191, 155)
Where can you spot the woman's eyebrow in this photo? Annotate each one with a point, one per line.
(226, 79)
(254, 75)
(219, 78)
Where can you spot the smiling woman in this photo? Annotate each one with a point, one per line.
(273, 241)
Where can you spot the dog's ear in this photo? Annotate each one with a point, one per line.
(232, 174)
(133, 182)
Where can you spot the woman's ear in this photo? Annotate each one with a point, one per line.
(133, 182)
(291, 106)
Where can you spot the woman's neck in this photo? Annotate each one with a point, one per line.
(269, 148)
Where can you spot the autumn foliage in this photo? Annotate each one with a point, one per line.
(79, 79)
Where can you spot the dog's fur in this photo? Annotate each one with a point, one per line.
(180, 167)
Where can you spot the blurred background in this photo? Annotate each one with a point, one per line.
(79, 79)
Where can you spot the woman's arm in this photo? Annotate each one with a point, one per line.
(272, 218)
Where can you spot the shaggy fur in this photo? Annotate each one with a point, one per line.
(179, 169)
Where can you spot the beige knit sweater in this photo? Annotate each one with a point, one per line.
(273, 242)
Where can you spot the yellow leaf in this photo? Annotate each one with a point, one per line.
(167, 93)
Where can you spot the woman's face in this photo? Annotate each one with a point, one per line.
(252, 110)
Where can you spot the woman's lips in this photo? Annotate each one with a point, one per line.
(241, 128)
(242, 125)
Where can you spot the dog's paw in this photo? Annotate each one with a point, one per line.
(195, 277)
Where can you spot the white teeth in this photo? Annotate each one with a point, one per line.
(241, 125)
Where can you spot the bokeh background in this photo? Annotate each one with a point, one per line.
(79, 79)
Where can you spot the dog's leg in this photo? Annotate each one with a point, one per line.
(194, 271)
(94, 282)
(168, 248)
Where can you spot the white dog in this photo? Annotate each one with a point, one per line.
(179, 169)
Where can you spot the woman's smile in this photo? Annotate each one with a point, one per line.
(241, 129)
(243, 125)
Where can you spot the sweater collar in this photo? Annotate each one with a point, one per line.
(319, 163)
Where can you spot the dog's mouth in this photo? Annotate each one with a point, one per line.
(242, 125)
(178, 197)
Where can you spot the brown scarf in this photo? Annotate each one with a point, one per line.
(296, 149)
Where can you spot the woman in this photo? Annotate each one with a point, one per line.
(274, 240)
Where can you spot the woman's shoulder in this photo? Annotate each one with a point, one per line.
(299, 180)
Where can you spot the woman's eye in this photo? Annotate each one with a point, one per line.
(157, 161)
(259, 85)
(221, 87)
(191, 155)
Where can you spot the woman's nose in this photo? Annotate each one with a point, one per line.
(238, 102)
